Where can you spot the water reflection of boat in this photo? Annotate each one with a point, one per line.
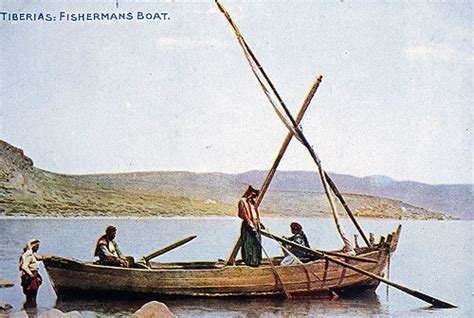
(75, 278)
(363, 304)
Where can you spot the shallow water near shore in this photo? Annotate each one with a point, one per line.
(434, 257)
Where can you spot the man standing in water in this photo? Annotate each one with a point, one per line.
(250, 229)
(108, 252)
(30, 278)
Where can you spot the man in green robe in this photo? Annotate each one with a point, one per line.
(250, 229)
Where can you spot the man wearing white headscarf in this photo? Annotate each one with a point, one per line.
(28, 266)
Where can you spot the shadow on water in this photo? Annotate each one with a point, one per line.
(365, 303)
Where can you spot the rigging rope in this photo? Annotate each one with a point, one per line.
(275, 106)
(288, 121)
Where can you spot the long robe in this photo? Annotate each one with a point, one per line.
(251, 239)
(30, 278)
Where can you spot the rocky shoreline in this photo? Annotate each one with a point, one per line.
(152, 309)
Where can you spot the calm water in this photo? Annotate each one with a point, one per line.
(433, 256)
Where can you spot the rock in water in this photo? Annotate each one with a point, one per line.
(153, 309)
(6, 283)
(17, 314)
(53, 313)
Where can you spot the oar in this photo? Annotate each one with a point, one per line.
(357, 258)
(316, 252)
(146, 259)
(429, 299)
(277, 276)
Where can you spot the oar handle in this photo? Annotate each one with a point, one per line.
(315, 252)
(168, 248)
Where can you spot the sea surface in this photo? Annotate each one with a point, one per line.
(435, 257)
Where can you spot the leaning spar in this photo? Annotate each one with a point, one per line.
(272, 171)
(296, 131)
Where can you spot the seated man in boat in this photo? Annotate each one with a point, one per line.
(250, 228)
(108, 252)
(293, 254)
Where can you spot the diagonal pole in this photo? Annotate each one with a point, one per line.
(271, 172)
(292, 126)
(286, 142)
(347, 208)
(294, 129)
(278, 279)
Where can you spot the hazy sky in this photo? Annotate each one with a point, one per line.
(113, 96)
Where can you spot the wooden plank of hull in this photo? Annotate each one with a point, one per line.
(70, 276)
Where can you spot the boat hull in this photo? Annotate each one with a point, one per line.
(74, 278)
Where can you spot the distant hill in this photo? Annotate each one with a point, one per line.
(453, 199)
(27, 190)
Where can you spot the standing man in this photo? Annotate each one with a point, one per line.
(250, 229)
(30, 278)
(108, 252)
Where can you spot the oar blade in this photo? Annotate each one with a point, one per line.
(435, 302)
(438, 303)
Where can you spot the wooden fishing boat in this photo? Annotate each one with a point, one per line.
(330, 272)
(73, 278)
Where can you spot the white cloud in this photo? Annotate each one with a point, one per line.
(439, 53)
(430, 53)
(187, 43)
(212, 10)
(470, 59)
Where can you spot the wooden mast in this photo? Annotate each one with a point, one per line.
(286, 142)
(292, 126)
(346, 207)
(271, 172)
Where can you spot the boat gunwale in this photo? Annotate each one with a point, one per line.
(213, 265)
